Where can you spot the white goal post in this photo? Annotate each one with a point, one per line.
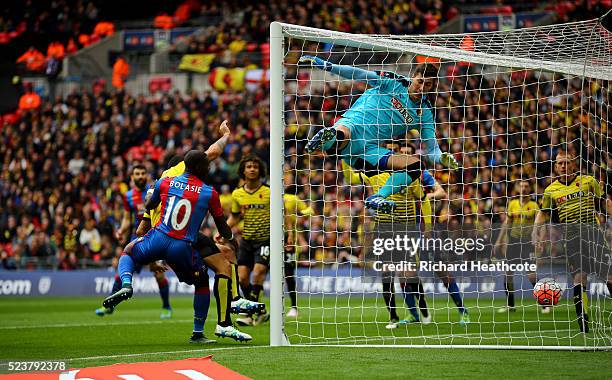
(568, 69)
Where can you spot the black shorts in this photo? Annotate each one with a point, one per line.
(587, 250)
(289, 256)
(205, 245)
(520, 250)
(253, 252)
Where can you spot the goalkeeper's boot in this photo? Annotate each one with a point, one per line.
(116, 298)
(166, 314)
(426, 320)
(243, 305)
(232, 332)
(322, 140)
(546, 309)
(465, 318)
(583, 323)
(506, 309)
(102, 311)
(380, 204)
(200, 338)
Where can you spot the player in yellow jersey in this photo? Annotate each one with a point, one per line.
(251, 203)
(294, 208)
(514, 240)
(413, 207)
(220, 257)
(574, 201)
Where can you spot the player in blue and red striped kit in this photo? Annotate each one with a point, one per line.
(134, 209)
(185, 200)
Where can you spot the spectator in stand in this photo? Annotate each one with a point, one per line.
(6, 261)
(31, 61)
(183, 12)
(55, 56)
(121, 70)
(71, 47)
(90, 240)
(103, 29)
(41, 248)
(163, 21)
(56, 50)
(30, 100)
(84, 39)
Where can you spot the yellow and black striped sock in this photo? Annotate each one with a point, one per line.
(222, 296)
(235, 293)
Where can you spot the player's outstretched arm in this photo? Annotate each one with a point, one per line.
(348, 72)
(217, 148)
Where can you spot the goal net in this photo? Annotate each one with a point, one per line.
(524, 113)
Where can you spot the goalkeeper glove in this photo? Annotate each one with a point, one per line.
(448, 161)
(316, 62)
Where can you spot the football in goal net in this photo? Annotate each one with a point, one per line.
(442, 190)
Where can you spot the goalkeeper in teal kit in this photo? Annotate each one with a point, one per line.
(391, 106)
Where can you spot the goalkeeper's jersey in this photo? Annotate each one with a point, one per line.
(574, 202)
(385, 111)
(155, 214)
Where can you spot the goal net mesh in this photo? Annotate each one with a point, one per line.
(505, 104)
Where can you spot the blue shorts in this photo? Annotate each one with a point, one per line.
(185, 261)
(361, 154)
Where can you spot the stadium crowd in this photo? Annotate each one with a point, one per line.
(66, 163)
(248, 27)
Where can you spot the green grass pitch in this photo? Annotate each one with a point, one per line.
(67, 329)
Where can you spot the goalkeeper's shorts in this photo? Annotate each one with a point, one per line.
(361, 154)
